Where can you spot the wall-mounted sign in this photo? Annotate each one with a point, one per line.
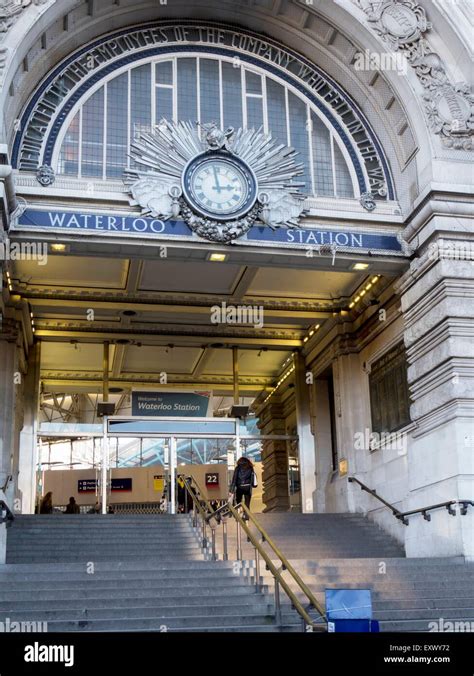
(86, 485)
(121, 485)
(117, 485)
(158, 482)
(188, 404)
(212, 480)
(111, 224)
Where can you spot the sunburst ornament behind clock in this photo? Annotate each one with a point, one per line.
(220, 182)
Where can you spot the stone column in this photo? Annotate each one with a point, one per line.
(306, 448)
(275, 458)
(437, 301)
(28, 442)
(352, 417)
(10, 417)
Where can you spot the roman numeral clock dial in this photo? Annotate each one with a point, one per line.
(219, 185)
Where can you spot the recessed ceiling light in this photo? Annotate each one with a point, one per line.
(129, 313)
(360, 266)
(216, 257)
(58, 247)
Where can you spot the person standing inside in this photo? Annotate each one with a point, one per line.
(72, 507)
(243, 481)
(46, 505)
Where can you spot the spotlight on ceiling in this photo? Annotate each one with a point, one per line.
(216, 257)
(360, 266)
(129, 313)
(57, 247)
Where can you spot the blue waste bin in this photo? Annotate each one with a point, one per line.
(350, 610)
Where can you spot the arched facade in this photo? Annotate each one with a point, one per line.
(385, 147)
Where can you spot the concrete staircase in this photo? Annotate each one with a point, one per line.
(124, 573)
(148, 573)
(349, 551)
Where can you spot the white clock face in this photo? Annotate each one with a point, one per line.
(219, 187)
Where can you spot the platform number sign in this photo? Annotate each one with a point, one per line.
(212, 480)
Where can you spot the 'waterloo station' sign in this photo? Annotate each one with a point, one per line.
(139, 226)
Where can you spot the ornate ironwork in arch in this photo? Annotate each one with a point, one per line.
(353, 146)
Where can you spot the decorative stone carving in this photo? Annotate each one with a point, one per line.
(175, 152)
(449, 106)
(367, 200)
(45, 175)
(10, 11)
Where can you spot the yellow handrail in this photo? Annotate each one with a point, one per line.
(304, 587)
(277, 575)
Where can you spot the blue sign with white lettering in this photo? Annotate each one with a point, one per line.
(192, 404)
(72, 222)
(315, 237)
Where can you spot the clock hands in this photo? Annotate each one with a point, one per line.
(218, 186)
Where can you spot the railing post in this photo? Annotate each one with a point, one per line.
(277, 603)
(195, 523)
(239, 542)
(204, 535)
(257, 571)
(224, 539)
(213, 540)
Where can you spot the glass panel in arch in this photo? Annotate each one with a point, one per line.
(299, 137)
(276, 107)
(69, 153)
(117, 121)
(187, 90)
(163, 103)
(323, 183)
(254, 112)
(164, 72)
(140, 100)
(232, 95)
(93, 135)
(154, 451)
(209, 90)
(344, 187)
(253, 82)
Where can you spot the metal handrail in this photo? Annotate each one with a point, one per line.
(402, 516)
(6, 515)
(8, 478)
(286, 564)
(260, 552)
(198, 509)
(279, 580)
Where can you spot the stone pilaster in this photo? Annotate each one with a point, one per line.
(275, 458)
(437, 297)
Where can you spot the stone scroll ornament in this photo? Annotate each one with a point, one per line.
(449, 106)
(219, 182)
